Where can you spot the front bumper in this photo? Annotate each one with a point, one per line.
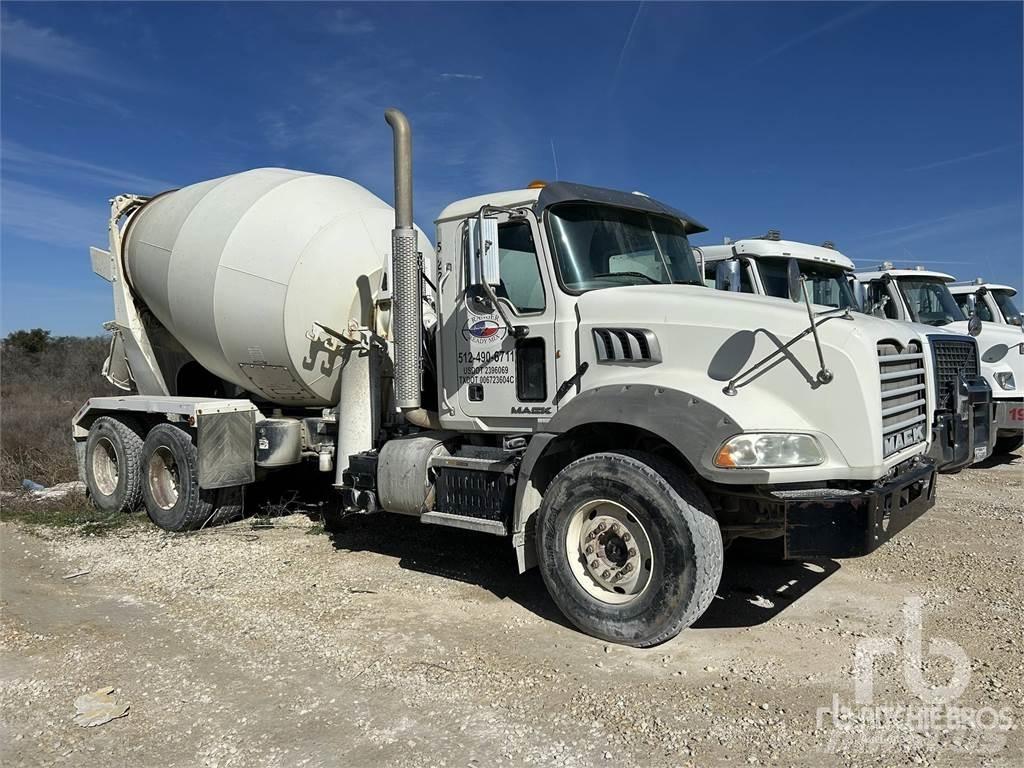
(837, 523)
(963, 434)
(1009, 414)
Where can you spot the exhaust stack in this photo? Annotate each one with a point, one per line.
(406, 299)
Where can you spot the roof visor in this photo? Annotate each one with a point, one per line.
(564, 192)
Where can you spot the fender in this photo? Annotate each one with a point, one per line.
(692, 426)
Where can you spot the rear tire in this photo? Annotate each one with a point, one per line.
(655, 520)
(174, 500)
(1008, 444)
(113, 465)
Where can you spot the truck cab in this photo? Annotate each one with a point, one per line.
(991, 302)
(923, 296)
(959, 403)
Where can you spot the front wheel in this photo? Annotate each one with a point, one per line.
(1008, 444)
(628, 547)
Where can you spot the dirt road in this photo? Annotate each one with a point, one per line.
(396, 644)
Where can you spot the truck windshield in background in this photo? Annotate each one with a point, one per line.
(827, 285)
(601, 246)
(929, 301)
(1004, 300)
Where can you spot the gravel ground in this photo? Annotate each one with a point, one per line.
(396, 644)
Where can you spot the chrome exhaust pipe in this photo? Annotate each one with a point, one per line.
(406, 298)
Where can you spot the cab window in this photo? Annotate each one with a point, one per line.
(876, 294)
(521, 282)
(980, 307)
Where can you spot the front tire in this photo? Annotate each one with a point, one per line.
(1008, 444)
(174, 500)
(628, 547)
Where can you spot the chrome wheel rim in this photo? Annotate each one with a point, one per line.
(162, 476)
(104, 467)
(609, 552)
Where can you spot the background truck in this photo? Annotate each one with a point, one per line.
(960, 400)
(923, 296)
(551, 368)
(991, 302)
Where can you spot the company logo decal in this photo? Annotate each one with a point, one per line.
(483, 331)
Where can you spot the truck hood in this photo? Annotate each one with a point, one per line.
(707, 337)
(996, 344)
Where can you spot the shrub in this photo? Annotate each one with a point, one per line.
(44, 380)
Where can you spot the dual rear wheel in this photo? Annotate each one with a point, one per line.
(126, 465)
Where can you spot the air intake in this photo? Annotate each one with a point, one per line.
(626, 345)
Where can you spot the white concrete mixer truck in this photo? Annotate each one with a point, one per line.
(960, 403)
(552, 370)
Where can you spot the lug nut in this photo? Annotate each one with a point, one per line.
(627, 568)
(592, 535)
(626, 536)
(601, 527)
(615, 529)
(606, 574)
(590, 550)
(632, 552)
(594, 564)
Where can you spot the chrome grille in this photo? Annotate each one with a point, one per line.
(904, 396)
(953, 358)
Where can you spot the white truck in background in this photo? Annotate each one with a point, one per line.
(960, 400)
(550, 368)
(991, 302)
(926, 296)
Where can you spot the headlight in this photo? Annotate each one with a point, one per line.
(769, 450)
(1005, 380)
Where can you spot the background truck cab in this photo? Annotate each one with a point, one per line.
(923, 296)
(959, 402)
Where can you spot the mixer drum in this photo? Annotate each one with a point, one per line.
(239, 268)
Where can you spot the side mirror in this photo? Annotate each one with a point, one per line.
(483, 243)
(727, 275)
(981, 292)
(858, 293)
(974, 325)
(793, 281)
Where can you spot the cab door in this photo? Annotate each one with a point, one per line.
(494, 377)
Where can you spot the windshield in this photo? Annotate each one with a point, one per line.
(1004, 300)
(929, 300)
(600, 246)
(826, 284)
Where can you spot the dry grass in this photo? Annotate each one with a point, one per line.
(39, 393)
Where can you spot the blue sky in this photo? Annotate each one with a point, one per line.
(893, 130)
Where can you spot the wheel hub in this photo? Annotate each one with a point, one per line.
(609, 551)
(104, 467)
(162, 476)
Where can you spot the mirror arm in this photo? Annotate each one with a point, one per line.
(734, 384)
(824, 374)
(517, 331)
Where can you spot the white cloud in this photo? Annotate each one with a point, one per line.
(963, 158)
(46, 49)
(34, 213)
(460, 76)
(345, 21)
(20, 160)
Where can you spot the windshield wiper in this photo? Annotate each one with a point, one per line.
(688, 282)
(628, 274)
